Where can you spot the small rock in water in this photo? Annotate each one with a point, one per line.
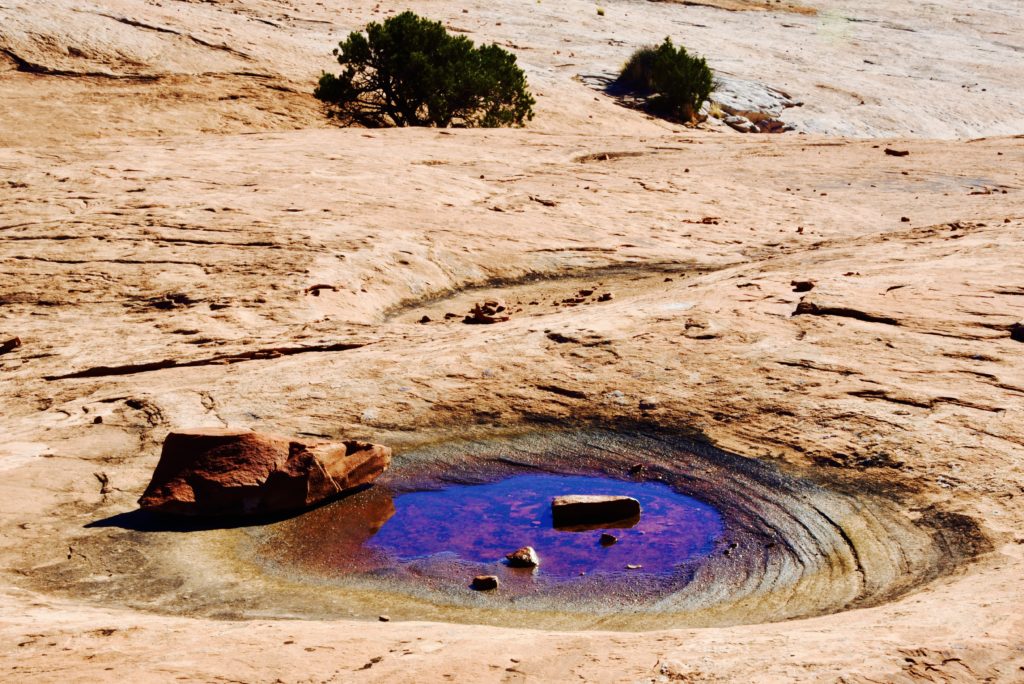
(587, 509)
(525, 557)
(608, 539)
(485, 582)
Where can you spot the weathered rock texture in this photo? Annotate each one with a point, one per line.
(123, 188)
(223, 472)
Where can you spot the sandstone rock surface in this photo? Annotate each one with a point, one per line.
(151, 150)
(224, 472)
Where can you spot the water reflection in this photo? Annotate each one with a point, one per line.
(462, 528)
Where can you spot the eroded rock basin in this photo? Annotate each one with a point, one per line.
(736, 540)
(739, 541)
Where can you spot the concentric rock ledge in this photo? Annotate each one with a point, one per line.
(793, 547)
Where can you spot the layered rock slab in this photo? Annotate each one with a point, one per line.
(590, 509)
(227, 472)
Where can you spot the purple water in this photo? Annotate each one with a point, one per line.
(479, 524)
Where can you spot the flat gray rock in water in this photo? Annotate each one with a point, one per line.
(589, 509)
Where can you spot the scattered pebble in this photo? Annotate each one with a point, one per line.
(608, 539)
(487, 312)
(802, 285)
(630, 566)
(485, 582)
(648, 404)
(10, 345)
(384, 618)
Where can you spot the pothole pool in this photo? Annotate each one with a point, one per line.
(720, 540)
(450, 534)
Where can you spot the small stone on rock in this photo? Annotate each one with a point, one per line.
(384, 618)
(487, 312)
(10, 345)
(802, 285)
(630, 566)
(1017, 332)
(485, 582)
(608, 539)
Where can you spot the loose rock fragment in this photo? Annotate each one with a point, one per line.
(484, 582)
(10, 345)
(221, 472)
(525, 557)
(741, 124)
(630, 566)
(606, 297)
(315, 289)
(588, 509)
(802, 285)
(1017, 332)
(608, 539)
(487, 312)
(896, 153)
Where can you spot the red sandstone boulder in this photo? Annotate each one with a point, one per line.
(220, 472)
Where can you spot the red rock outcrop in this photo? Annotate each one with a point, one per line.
(222, 472)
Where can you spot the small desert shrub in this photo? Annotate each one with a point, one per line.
(409, 71)
(677, 83)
